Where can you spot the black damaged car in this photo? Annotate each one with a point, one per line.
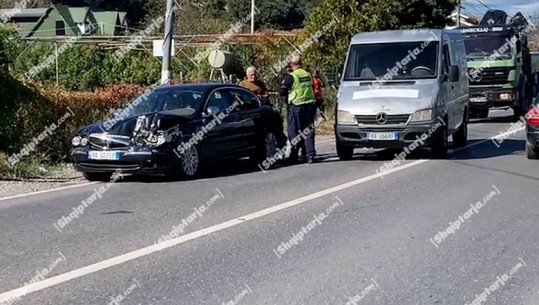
(174, 129)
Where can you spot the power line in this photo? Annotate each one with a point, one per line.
(483, 4)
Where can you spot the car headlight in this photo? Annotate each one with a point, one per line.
(423, 115)
(76, 141)
(345, 117)
(84, 141)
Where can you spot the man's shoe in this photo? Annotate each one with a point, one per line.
(310, 160)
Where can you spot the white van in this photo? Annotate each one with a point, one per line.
(401, 86)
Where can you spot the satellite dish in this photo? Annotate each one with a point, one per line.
(220, 59)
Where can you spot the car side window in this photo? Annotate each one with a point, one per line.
(220, 99)
(244, 100)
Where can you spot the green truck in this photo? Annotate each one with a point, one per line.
(499, 65)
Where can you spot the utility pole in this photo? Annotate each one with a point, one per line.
(458, 13)
(252, 16)
(167, 44)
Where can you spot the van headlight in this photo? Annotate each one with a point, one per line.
(345, 117)
(423, 115)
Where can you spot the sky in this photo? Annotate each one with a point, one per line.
(527, 7)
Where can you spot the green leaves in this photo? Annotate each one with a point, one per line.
(366, 15)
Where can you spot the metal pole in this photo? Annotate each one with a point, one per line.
(458, 13)
(56, 55)
(252, 16)
(167, 44)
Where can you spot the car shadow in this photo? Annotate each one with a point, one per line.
(210, 170)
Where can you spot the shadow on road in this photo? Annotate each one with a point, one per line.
(496, 119)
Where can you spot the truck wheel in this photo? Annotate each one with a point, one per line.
(439, 147)
(531, 153)
(483, 114)
(460, 137)
(103, 177)
(344, 152)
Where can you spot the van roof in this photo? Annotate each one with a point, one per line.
(396, 36)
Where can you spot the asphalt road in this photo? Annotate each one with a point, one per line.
(380, 240)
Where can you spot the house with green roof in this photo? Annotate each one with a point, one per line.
(61, 20)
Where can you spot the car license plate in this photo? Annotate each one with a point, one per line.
(383, 136)
(104, 155)
(478, 99)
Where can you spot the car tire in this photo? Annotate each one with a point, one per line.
(460, 137)
(102, 177)
(268, 148)
(440, 146)
(344, 152)
(189, 164)
(531, 153)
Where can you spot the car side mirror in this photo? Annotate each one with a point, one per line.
(212, 111)
(453, 75)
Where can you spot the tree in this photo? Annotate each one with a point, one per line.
(365, 15)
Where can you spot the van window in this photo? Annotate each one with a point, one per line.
(447, 59)
(395, 60)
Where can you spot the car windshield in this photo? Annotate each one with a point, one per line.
(491, 46)
(387, 61)
(190, 100)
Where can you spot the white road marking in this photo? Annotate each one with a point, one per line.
(47, 191)
(111, 262)
(53, 281)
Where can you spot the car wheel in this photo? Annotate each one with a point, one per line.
(103, 177)
(460, 137)
(268, 149)
(531, 153)
(439, 147)
(344, 152)
(189, 162)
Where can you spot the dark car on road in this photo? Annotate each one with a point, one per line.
(532, 131)
(174, 129)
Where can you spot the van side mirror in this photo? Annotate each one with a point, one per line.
(453, 75)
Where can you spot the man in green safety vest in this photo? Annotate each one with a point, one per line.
(297, 88)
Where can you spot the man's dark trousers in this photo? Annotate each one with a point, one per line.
(293, 132)
(304, 116)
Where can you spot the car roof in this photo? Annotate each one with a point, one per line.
(198, 86)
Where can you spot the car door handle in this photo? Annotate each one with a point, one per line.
(452, 86)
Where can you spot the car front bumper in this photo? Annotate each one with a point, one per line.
(532, 136)
(357, 136)
(134, 161)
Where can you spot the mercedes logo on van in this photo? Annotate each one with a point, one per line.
(381, 118)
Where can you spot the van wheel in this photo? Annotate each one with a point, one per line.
(460, 137)
(344, 152)
(440, 145)
(531, 153)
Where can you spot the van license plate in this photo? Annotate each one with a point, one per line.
(104, 155)
(383, 136)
